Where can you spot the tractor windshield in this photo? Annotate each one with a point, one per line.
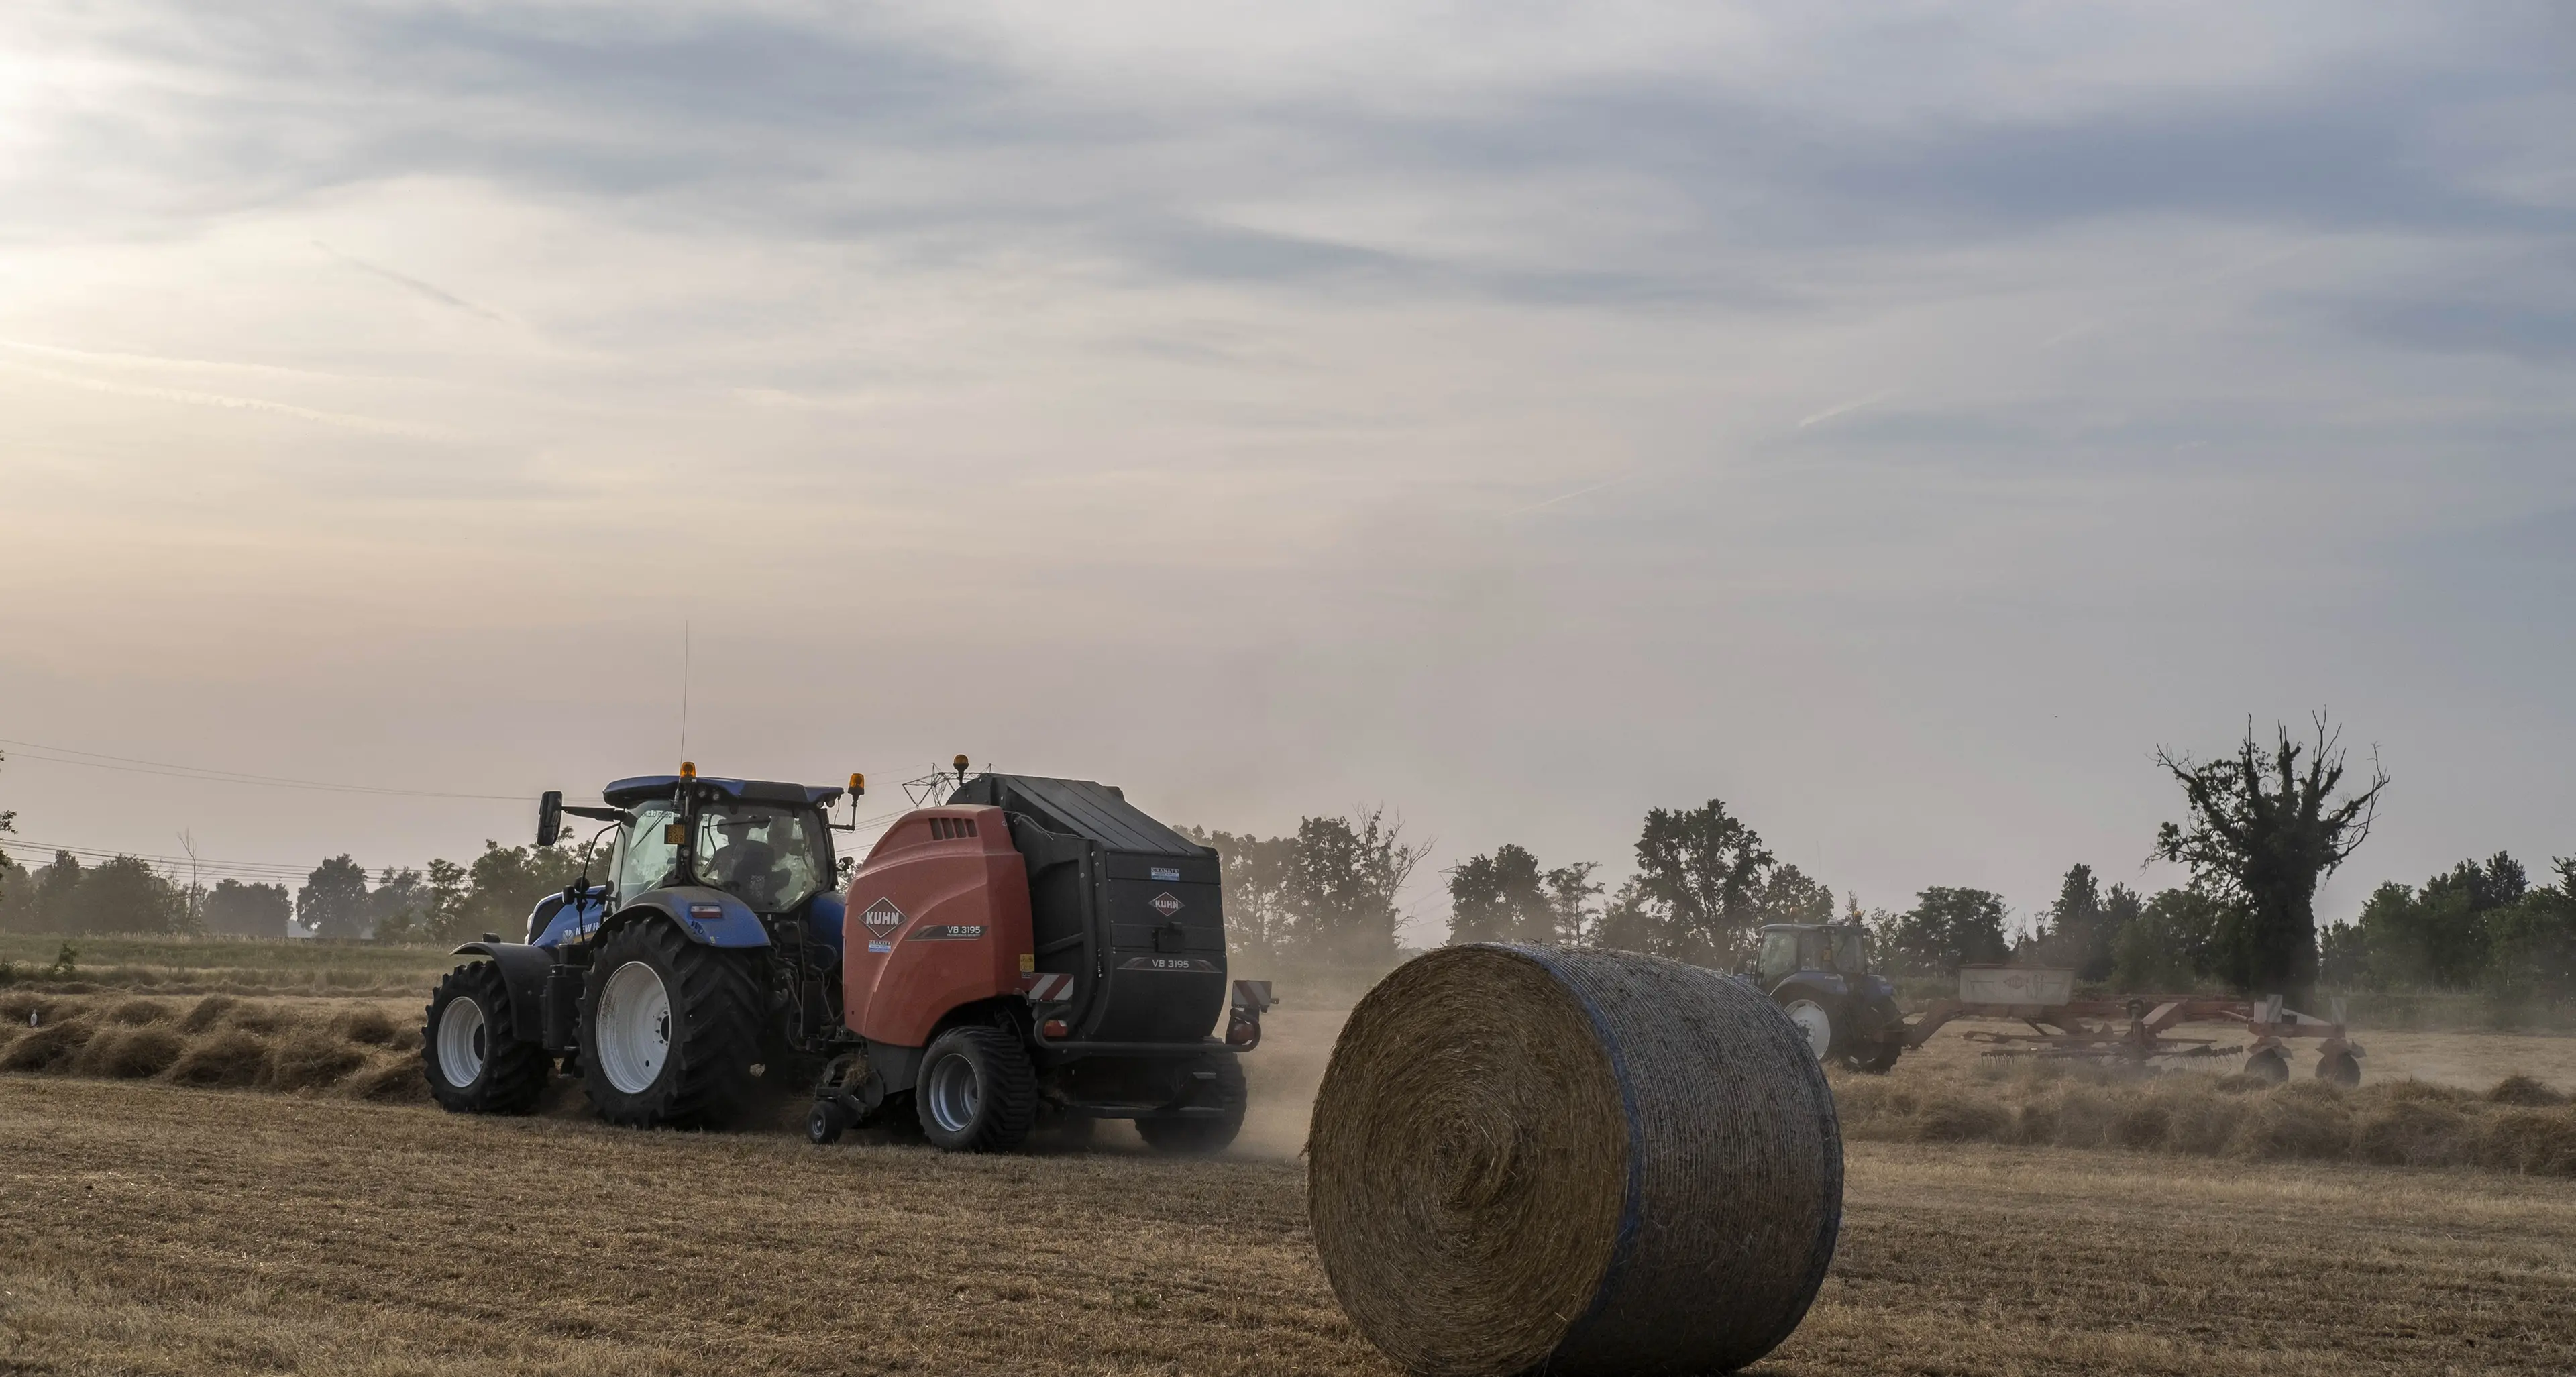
(1779, 959)
(769, 857)
(647, 853)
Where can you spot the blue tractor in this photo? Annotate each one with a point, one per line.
(706, 958)
(1819, 974)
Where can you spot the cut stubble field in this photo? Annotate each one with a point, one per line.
(160, 1228)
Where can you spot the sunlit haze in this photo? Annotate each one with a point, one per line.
(1895, 423)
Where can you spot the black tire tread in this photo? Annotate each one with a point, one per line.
(515, 1069)
(718, 1000)
(1204, 1135)
(1010, 1089)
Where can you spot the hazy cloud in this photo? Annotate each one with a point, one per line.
(1892, 421)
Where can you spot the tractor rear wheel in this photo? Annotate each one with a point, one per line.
(977, 1091)
(1204, 1133)
(670, 1030)
(470, 1050)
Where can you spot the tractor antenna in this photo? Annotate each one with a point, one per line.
(684, 688)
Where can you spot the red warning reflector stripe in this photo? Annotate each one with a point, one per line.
(1048, 987)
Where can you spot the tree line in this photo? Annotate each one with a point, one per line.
(2263, 826)
(446, 902)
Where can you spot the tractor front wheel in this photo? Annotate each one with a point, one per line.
(1816, 1022)
(470, 1050)
(670, 1030)
(977, 1091)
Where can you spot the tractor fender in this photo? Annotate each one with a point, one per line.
(1832, 991)
(708, 917)
(523, 973)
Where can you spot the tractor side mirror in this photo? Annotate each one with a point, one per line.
(549, 817)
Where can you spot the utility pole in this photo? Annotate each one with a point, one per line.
(196, 891)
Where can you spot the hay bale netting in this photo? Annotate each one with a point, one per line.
(1578, 1162)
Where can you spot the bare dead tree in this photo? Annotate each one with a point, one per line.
(2268, 825)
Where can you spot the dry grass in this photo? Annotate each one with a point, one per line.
(152, 1227)
(159, 1229)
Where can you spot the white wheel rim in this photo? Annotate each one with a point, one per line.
(461, 1039)
(956, 1092)
(633, 1028)
(1818, 1025)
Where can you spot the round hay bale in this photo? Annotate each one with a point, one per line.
(1525, 1159)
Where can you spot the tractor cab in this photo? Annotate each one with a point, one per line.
(1837, 948)
(765, 846)
(1819, 974)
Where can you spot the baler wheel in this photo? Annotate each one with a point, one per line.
(1203, 1134)
(2268, 1065)
(468, 1050)
(824, 1126)
(977, 1091)
(683, 1030)
(2339, 1068)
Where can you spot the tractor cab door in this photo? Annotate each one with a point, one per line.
(1779, 958)
(647, 855)
(1813, 954)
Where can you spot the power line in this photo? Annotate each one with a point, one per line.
(129, 765)
(27, 848)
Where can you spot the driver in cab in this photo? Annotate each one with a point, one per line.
(744, 864)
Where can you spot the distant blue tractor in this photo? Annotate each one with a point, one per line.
(1818, 973)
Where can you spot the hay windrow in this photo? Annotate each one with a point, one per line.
(50, 1047)
(2521, 1125)
(229, 1057)
(2526, 1091)
(1499, 1125)
(209, 1011)
(390, 1080)
(370, 1025)
(220, 1041)
(310, 1059)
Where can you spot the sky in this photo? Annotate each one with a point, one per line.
(1895, 420)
